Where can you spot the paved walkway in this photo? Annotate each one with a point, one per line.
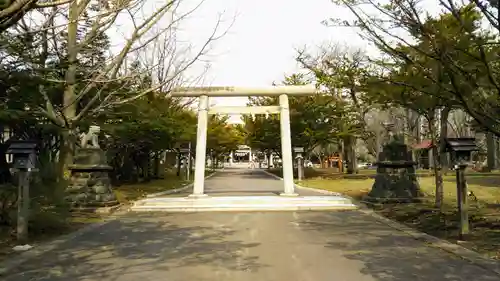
(246, 182)
(273, 246)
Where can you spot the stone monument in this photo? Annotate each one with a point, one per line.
(90, 185)
(396, 179)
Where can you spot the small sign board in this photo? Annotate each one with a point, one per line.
(298, 149)
(184, 150)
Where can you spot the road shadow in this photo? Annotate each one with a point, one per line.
(388, 254)
(256, 174)
(139, 246)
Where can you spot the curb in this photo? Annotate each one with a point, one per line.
(272, 175)
(452, 248)
(432, 241)
(101, 210)
(176, 190)
(310, 188)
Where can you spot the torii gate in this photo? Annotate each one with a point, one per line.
(203, 93)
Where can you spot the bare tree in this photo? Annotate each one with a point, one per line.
(471, 69)
(12, 11)
(375, 131)
(325, 150)
(459, 123)
(99, 92)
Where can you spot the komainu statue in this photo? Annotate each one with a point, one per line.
(91, 136)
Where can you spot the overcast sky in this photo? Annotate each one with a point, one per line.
(259, 47)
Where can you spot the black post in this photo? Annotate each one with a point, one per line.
(24, 154)
(23, 206)
(184, 162)
(300, 168)
(178, 173)
(212, 159)
(188, 164)
(463, 208)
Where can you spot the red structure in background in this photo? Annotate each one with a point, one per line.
(333, 161)
(425, 144)
(422, 152)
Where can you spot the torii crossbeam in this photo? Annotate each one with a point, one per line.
(203, 93)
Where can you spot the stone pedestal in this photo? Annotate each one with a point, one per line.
(396, 180)
(90, 185)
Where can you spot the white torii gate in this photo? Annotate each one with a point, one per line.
(203, 93)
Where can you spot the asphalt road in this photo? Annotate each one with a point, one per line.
(246, 182)
(277, 246)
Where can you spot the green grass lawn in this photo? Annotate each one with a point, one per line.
(131, 192)
(330, 173)
(484, 213)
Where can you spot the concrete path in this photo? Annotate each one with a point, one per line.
(246, 182)
(311, 246)
(272, 246)
(243, 190)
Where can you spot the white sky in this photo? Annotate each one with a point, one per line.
(260, 45)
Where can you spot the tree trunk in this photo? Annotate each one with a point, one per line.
(418, 128)
(345, 156)
(407, 126)
(147, 166)
(438, 176)
(66, 153)
(443, 124)
(416, 136)
(68, 137)
(497, 152)
(190, 166)
(491, 150)
(350, 152)
(156, 165)
(378, 144)
(127, 173)
(178, 173)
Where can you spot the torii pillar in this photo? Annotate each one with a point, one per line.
(201, 148)
(203, 93)
(286, 147)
